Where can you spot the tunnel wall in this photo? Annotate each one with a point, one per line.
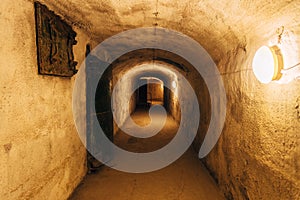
(123, 107)
(174, 106)
(257, 156)
(155, 92)
(41, 156)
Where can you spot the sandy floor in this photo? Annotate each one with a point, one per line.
(185, 179)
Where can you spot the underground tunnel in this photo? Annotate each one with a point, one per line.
(148, 77)
(45, 45)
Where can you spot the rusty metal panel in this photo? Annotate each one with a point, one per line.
(55, 40)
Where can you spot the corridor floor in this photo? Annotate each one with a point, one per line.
(185, 179)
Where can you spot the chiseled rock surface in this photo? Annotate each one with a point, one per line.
(257, 156)
(41, 156)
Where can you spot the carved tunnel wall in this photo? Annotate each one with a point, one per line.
(257, 156)
(41, 155)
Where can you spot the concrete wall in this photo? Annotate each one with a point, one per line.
(41, 156)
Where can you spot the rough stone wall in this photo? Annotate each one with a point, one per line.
(41, 156)
(258, 154)
(174, 107)
(123, 107)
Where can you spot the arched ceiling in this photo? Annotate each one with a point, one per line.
(148, 56)
(218, 25)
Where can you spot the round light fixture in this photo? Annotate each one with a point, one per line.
(267, 64)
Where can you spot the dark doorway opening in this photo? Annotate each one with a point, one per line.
(142, 96)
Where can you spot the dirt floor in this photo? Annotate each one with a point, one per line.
(185, 179)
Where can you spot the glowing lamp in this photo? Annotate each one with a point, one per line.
(267, 64)
(174, 84)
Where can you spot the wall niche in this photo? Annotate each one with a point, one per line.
(55, 40)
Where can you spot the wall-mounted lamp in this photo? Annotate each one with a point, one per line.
(174, 84)
(268, 65)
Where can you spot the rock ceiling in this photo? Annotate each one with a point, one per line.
(218, 25)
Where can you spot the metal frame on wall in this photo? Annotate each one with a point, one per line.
(55, 40)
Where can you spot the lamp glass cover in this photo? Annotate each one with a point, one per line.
(264, 65)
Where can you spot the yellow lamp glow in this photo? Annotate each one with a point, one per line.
(267, 64)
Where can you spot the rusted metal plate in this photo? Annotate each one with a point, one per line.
(55, 40)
